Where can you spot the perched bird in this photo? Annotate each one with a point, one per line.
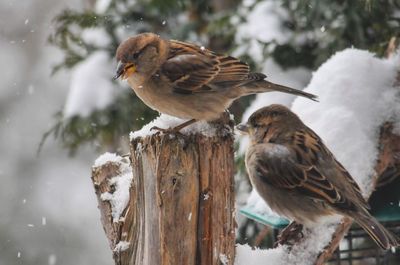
(188, 81)
(299, 178)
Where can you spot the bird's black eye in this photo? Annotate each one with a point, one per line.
(274, 114)
(135, 55)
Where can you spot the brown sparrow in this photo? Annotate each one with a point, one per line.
(187, 81)
(299, 178)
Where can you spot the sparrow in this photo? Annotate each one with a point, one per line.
(188, 81)
(299, 178)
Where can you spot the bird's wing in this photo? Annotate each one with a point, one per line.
(307, 145)
(300, 173)
(193, 69)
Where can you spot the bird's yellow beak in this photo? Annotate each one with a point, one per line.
(124, 70)
(243, 128)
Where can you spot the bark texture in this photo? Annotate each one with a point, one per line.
(181, 207)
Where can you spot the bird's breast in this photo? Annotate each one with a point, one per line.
(160, 96)
(150, 94)
(286, 202)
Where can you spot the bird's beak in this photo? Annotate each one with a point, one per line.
(243, 128)
(124, 70)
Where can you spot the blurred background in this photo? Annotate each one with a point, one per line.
(57, 95)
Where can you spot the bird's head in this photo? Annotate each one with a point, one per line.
(271, 124)
(141, 54)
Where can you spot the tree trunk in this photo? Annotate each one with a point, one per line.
(181, 205)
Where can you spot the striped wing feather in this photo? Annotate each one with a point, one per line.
(301, 173)
(193, 69)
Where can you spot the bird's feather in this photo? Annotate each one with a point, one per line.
(302, 172)
(194, 69)
(308, 146)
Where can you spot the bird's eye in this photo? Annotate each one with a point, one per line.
(274, 114)
(135, 55)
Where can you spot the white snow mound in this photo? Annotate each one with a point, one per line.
(120, 197)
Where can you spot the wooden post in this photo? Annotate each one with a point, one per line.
(181, 205)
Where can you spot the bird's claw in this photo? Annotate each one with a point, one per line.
(291, 234)
(173, 130)
(155, 128)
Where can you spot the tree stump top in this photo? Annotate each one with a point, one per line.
(181, 204)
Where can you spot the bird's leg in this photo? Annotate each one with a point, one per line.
(291, 232)
(223, 124)
(175, 129)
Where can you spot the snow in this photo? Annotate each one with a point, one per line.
(91, 87)
(96, 36)
(102, 6)
(355, 99)
(264, 23)
(106, 158)
(303, 253)
(52, 259)
(120, 197)
(224, 259)
(165, 121)
(121, 246)
(12, 62)
(246, 255)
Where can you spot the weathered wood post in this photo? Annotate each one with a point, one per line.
(181, 201)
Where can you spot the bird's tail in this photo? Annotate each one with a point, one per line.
(261, 86)
(377, 231)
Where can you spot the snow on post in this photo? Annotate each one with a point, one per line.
(175, 203)
(119, 196)
(112, 178)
